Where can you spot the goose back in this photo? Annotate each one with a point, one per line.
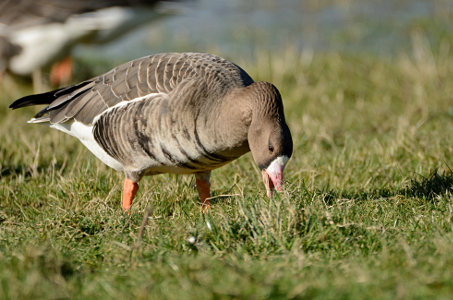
(161, 73)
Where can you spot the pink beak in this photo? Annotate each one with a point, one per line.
(273, 175)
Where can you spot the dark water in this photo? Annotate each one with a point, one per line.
(240, 28)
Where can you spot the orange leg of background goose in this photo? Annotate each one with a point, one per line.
(61, 72)
(130, 188)
(203, 187)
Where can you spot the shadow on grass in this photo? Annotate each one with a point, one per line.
(426, 187)
(26, 170)
(16, 170)
(431, 186)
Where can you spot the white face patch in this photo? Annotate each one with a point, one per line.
(274, 173)
(277, 165)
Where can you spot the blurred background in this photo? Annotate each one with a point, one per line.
(239, 29)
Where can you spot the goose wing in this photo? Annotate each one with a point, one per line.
(137, 79)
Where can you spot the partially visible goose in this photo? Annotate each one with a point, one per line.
(37, 33)
(186, 113)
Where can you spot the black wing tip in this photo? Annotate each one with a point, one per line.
(22, 102)
(35, 99)
(47, 98)
(40, 113)
(14, 105)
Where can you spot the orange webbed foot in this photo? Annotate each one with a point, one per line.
(203, 187)
(130, 188)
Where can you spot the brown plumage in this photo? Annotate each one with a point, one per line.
(185, 113)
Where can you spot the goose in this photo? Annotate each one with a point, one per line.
(184, 113)
(36, 33)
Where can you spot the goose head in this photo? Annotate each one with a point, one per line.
(269, 137)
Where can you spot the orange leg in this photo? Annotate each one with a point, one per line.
(203, 187)
(61, 72)
(130, 188)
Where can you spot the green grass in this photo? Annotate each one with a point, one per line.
(367, 211)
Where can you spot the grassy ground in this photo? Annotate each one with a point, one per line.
(367, 211)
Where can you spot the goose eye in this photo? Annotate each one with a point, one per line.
(271, 148)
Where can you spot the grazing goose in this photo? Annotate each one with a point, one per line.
(186, 113)
(37, 33)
